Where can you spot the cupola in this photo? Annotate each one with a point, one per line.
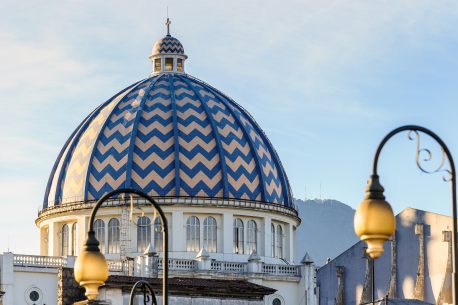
(168, 55)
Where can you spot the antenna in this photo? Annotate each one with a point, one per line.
(320, 192)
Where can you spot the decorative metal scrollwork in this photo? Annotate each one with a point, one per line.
(414, 135)
(136, 209)
(147, 292)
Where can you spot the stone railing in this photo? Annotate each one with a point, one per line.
(229, 267)
(74, 204)
(23, 260)
(288, 270)
(178, 265)
(115, 266)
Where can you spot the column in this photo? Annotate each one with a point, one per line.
(228, 232)
(176, 233)
(290, 243)
(267, 236)
(54, 241)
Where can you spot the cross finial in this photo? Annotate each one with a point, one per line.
(168, 26)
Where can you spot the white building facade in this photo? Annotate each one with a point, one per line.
(203, 158)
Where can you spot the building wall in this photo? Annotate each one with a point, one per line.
(26, 281)
(408, 249)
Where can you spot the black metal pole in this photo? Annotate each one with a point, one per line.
(452, 180)
(165, 233)
(373, 281)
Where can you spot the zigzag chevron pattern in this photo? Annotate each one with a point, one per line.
(171, 135)
(272, 183)
(73, 186)
(168, 45)
(153, 167)
(200, 166)
(242, 172)
(108, 165)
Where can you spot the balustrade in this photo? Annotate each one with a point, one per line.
(174, 264)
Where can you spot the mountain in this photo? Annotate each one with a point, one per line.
(326, 229)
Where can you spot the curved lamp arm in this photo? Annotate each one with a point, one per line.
(92, 244)
(143, 284)
(452, 173)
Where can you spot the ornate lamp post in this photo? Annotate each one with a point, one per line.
(91, 268)
(374, 219)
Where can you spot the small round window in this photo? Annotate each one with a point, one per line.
(276, 301)
(34, 295)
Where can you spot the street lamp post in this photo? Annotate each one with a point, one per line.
(91, 268)
(374, 219)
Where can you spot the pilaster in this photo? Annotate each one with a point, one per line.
(228, 232)
(419, 292)
(267, 236)
(178, 242)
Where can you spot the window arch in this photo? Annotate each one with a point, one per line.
(157, 234)
(272, 233)
(75, 239)
(252, 237)
(113, 236)
(99, 228)
(65, 240)
(238, 236)
(210, 234)
(143, 233)
(192, 234)
(279, 241)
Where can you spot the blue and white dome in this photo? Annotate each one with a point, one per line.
(170, 135)
(168, 45)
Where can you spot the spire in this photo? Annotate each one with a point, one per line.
(167, 23)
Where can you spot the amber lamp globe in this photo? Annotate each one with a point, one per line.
(91, 268)
(374, 220)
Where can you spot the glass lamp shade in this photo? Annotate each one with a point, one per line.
(91, 272)
(374, 220)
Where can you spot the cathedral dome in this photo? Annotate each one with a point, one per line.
(170, 135)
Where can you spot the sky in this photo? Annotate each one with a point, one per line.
(326, 80)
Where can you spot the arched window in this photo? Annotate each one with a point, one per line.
(272, 233)
(75, 239)
(157, 234)
(99, 228)
(113, 235)
(192, 234)
(252, 237)
(279, 241)
(238, 236)
(65, 240)
(210, 234)
(143, 233)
